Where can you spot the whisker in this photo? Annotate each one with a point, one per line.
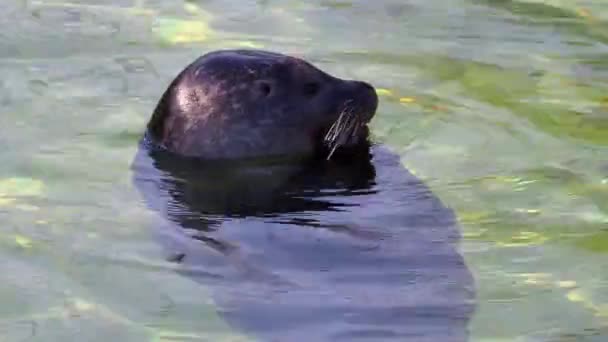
(336, 127)
(355, 130)
(332, 151)
(344, 128)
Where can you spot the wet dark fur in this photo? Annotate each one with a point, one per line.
(235, 104)
(350, 248)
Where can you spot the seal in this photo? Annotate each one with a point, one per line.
(235, 104)
(270, 193)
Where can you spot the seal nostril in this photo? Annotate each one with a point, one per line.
(368, 86)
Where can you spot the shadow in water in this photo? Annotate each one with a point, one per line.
(351, 249)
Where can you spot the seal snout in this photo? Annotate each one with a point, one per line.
(366, 85)
(365, 100)
(370, 98)
(358, 105)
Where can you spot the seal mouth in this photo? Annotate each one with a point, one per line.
(345, 131)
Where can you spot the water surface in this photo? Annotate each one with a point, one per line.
(499, 106)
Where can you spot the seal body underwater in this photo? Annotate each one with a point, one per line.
(270, 193)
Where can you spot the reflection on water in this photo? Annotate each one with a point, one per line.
(348, 250)
(499, 106)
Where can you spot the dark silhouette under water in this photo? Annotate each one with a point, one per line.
(351, 249)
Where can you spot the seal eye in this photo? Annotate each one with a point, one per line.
(265, 88)
(311, 89)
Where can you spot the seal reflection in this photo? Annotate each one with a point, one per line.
(354, 248)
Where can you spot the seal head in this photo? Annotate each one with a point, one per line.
(235, 104)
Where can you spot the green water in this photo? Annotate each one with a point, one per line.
(500, 106)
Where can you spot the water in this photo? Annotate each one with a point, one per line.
(500, 107)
